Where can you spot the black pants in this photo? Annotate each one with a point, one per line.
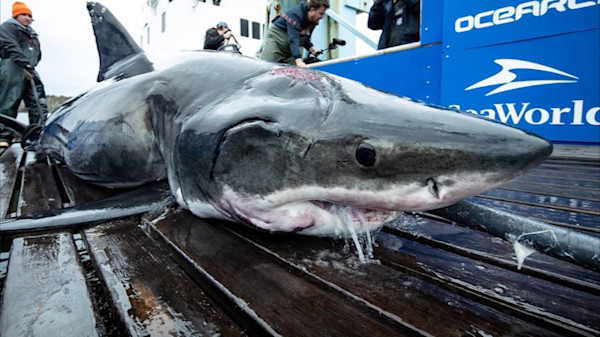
(14, 88)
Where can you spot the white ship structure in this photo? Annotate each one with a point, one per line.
(175, 25)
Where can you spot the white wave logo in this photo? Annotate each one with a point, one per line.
(507, 78)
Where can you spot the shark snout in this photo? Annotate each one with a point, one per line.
(518, 152)
(465, 157)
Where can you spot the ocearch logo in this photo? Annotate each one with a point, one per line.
(508, 79)
(510, 14)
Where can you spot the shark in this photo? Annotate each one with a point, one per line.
(278, 147)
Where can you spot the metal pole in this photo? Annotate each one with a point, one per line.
(37, 100)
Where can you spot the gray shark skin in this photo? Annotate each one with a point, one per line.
(282, 148)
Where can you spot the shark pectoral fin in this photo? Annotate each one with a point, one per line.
(29, 133)
(149, 197)
(13, 124)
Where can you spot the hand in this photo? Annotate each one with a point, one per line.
(300, 63)
(227, 34)
(29, 74)
(313, 51)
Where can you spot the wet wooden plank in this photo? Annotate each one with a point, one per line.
(422, 304)
(588, 165)
(287, 299)
(39, 192)
(565, 182)
(570, 219)
(590, 161)
(151, 293)
(532, 199)
(589, 152)
(555, 168)
(45, 290)
(483, 247)
(9, 165)
(559, 172)
(564, 310)
(551, 190)
(586, 171)
(79, 191)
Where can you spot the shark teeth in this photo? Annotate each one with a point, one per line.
(365, 217)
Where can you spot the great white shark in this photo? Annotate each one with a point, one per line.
(274, 146)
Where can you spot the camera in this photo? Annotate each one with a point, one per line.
(338, 42)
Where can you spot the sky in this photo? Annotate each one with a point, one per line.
(69, 64)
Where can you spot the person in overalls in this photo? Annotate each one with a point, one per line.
(291, 30)
(19, 54)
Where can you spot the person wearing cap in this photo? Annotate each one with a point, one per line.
(291, 30)
(19, 54)
(216, 36)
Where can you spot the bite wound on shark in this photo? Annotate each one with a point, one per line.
(280, 148)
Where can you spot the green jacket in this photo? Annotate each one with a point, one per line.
(19, 43)
(20, 49)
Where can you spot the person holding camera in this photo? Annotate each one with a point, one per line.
(398, 19)
(216, 36)
(291, 30)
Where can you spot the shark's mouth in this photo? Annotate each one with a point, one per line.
(311, 217)
(351, 220)
(322, 218)
(360, 218)
(320, 211)
(332, 212)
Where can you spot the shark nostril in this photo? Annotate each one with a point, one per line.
(433, 187)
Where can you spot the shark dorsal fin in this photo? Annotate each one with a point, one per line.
(119, 54)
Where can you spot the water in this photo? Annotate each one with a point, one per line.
(360, 233)
(108, 323)
(523, 251)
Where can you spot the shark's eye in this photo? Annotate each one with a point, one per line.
(365, 155)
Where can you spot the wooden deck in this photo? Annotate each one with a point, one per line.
(169, 273)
